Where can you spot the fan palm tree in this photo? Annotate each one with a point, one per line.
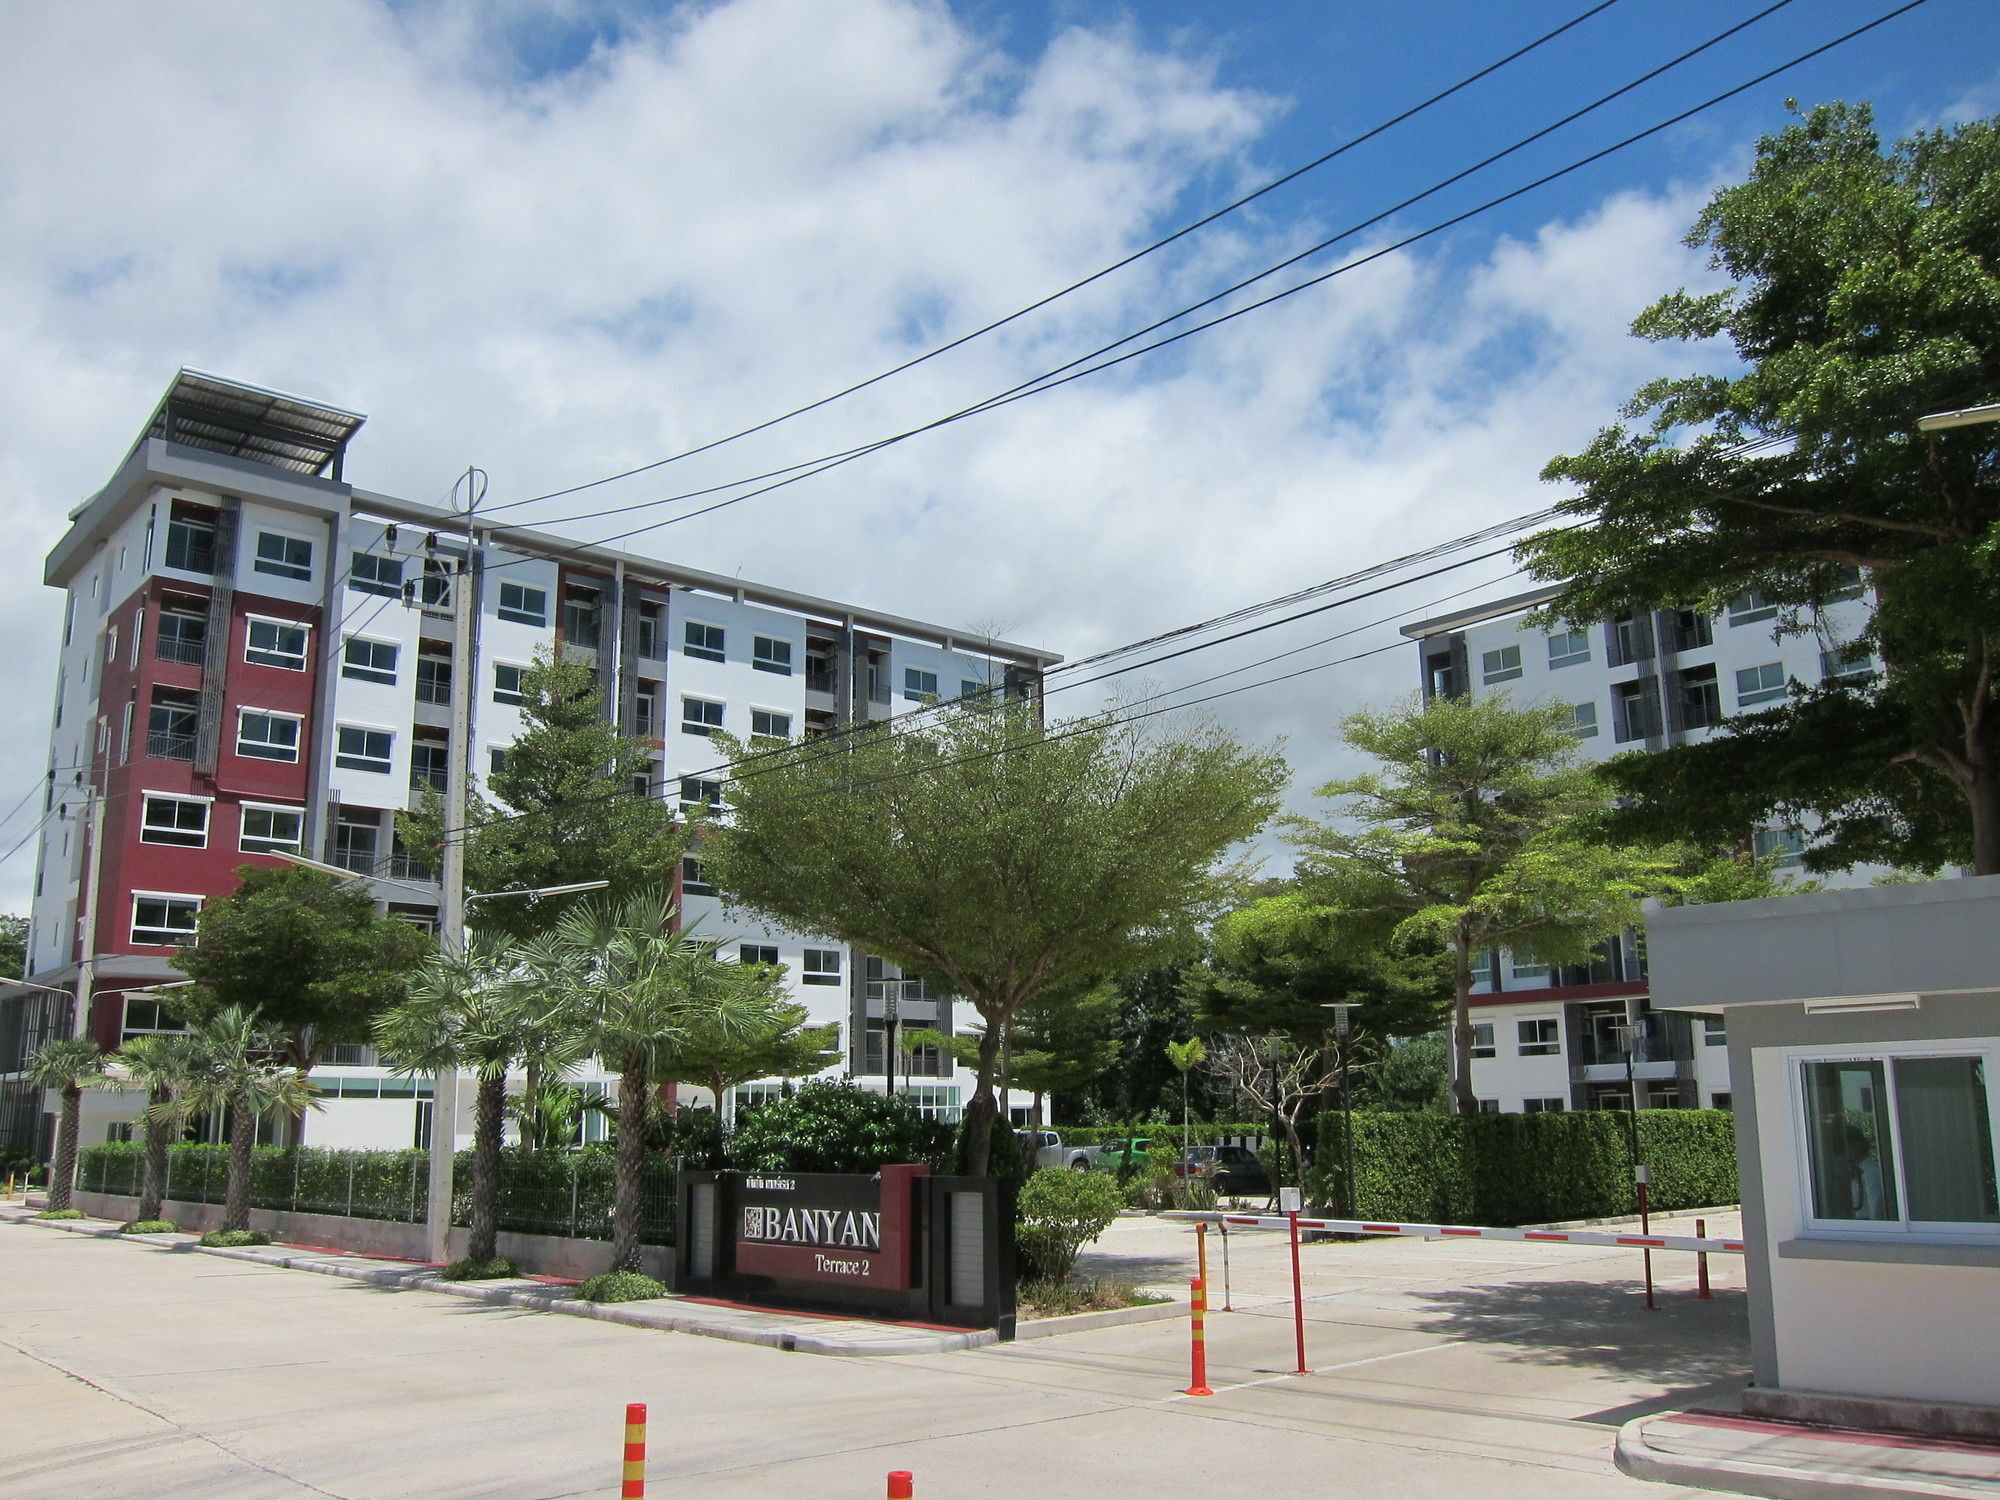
(477, 1011)
(165, 1067)
(242, 1070)
(68, 1065)
(637, 987)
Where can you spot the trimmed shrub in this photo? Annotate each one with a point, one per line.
(836, 1127)
(499, 1268)
(1061, 1212)
(149, 1226)
(233, 1239)
(620, 1286)
(1199, 1133)
(62, 1213)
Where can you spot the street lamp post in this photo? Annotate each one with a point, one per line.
(1965, 416)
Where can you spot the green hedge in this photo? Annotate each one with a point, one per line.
(1198, 1133)
(1526, 1169)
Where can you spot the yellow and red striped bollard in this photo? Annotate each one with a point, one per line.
(634, 1487)
(1198, 1348)
(902, 1484)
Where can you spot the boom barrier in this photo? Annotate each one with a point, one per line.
(1698, 1244)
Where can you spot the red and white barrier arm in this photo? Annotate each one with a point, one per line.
(1466, 1232)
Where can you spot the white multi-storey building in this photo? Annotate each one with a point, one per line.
(1549, 1040)
(257, 659)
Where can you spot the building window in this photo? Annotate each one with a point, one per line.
(363, 749)
(583, 615)
(191, 538)
(757, 953)
(267, 736)
(496, 760)
(369, 661)
(1489, 1106)
(1848, 585)
(1760, 684)
(284, 556)
(970, 687)
(1635, 710)
(271, 830)
(1501, 665)
(174, 820)
(1898, 1141)
(1783, 847)
(170, 724)
(703, 641)
(766, 725)
(1583, 720)
(433, 674)
(182, 637)
(1539, 1038)
(1849, 664)
(1714, 1031)
(1481, 964)
(770, 655)
(163, 921)
(1552, 1105)
(1482, 1039)
(275, 643)
(370, 574)
(1747, 609)
(510, 684)
(1692, 630)
(700, 716)
(434, 591)
(652, 637)
(1527, 968)
(1701, 698)
(149, 1018)
(1627, 640)
(430, 761)
(693, 882)
(920, 685)
(1720, 1101)
(699, 792)
(820, 966)
(523, 605)
(646, 723)
(357, 836)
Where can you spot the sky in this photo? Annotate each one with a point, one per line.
(560, 240)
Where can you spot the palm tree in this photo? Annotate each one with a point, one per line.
(69, 1065)
(165, 1067)
(242, 1070)
(637, 987)
(474, 1010)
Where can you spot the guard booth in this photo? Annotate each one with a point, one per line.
(898, 1244)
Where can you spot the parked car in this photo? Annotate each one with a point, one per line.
(1046, 1148)
(1116, 1156)
(1233, 1171)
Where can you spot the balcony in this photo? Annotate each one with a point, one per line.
(169, 648)
(821, 679)
(427, 779)
(161, 745)
(409, 867)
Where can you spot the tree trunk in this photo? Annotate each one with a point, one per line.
(983, 1108)
(1463, 1100)
(62, 1172)
(633, 1091)
(531, 1108)
(153, 1165)
(1982, 796)
(488, 1105)
(242, 1137)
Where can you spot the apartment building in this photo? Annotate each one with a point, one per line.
(1554, 1039)
(257, 659)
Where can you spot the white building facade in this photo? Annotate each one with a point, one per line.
(258, 659)
(1550, 1039)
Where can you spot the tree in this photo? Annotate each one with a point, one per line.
(475, 1012)
(1279, 1078)
(165, 1067)
(13, 947)
(1186, 1057)
(563, 809)
(242, 1070)
(305, 951)
(1060, 1213)
(1061, 1042)
(1006, 860)
(637, 988)
(1470, 837)
(1866, 293)
(1152, 1011)
(776, 1043)
(68, 1065)
(1412, 1075)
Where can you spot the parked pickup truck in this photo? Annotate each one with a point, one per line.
(1046, 1148)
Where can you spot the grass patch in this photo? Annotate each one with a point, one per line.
(149, 1226)
(497, 1269)
(1059, 1299)
(620, 1286)
(62, 1213)
(231, 1239)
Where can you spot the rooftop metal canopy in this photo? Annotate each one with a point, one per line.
(245, 421)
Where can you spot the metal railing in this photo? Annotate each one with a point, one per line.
(172, 648)
(163, 746)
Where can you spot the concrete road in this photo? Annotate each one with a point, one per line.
(1442, 1369)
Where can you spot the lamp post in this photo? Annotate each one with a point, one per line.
(1628, 1043)
(1965, 416)
(1343, 1013)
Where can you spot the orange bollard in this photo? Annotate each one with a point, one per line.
(1701, 1263)
(902, 1484)
(634, 1487)
(1198, 1348)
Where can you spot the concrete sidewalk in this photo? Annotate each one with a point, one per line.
(804, 1333)
(1720, 1450)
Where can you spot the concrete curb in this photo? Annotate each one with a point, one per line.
(1113, 1317)
(1635, 1456)
(534, 1297)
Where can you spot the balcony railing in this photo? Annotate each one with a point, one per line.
(821, 681)
(163, 746)
(361, 860)
(427, 778)
(170, 649)
(409, 867)
(434, 688)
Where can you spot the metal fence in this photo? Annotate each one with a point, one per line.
(562, 1193)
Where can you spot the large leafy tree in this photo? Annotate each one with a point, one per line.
(1008, 860)
(303, 949)
(718, 1051)
(1470, 836)
(562, 808)
(1866, 292)
(68, 1065)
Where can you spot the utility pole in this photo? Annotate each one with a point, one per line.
(451, 903)
(86, 968)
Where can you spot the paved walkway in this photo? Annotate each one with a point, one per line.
(1753, 1456)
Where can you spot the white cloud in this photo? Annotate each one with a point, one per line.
(734, 207)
